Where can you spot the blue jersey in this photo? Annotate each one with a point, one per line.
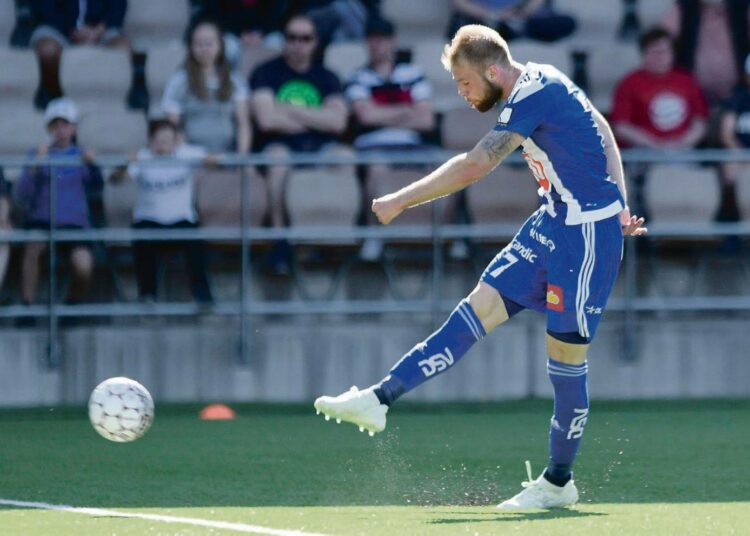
(563, 146)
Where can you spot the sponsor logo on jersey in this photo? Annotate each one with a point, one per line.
(592, 310)
(543, 240)
(555, 298)
(525, 252)
(436, 363)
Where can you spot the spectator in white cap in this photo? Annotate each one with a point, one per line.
(74, 183)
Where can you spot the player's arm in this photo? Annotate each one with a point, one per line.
(630, 224)
(456, 174)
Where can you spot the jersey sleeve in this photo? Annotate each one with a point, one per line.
(523, 114)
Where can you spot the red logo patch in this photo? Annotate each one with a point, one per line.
(555, 298)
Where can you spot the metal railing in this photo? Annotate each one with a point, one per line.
(246, 308)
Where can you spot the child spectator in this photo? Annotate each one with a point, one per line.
(73, 185)
(166, 200)
(5, 225)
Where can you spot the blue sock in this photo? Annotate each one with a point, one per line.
(437, 354)
(571, 412)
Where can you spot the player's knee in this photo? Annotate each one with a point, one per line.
(570, 348)
(488, 306)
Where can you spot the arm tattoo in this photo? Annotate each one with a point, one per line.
(499, 144)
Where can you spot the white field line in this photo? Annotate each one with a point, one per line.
(237, 527)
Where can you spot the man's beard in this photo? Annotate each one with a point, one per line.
(492, 95)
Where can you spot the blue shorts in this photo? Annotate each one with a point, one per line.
(566, 271)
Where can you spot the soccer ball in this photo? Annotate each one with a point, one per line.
(121, 409)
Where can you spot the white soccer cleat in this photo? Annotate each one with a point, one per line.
(361, 408)
(542, 494)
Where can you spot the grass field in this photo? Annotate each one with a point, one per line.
(650, 468)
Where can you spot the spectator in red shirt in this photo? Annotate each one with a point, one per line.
(658, 106)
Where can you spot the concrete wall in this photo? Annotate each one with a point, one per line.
(298, 359)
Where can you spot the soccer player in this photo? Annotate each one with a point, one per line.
(563, 262)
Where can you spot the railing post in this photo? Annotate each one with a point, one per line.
(53, 347)
(629, 343)
(245, 328)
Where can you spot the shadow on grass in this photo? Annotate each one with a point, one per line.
(517, 516)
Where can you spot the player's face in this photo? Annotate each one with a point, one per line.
(474, 87)
(658, 57)
(206, 44)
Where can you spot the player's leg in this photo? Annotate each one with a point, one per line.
(506, 287)
(582, 271)
(482, 311)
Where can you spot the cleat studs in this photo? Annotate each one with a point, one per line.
(328, 417)
(317, 412)
(361, 428)
(338, 421)
(371, 433)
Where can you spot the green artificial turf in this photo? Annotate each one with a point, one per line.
(644, 468)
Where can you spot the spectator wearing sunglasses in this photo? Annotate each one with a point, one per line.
(298, 106)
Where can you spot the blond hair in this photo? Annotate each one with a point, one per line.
(477, 45)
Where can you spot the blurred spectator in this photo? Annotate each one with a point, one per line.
(5, 224)
(735, 134)
(59, 23)
(299, 107)
(532, 19)
(245, 23)
(392, 105)
(166, 201)
(339, 20)
(74, 184)
(712, 42)
(658, 106)
(206, 98)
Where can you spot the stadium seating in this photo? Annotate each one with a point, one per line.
(604, 73)
(321, 198)
(417, 19)
(557, 54)
(7, 21)
(119, 199)
(463, 127)
(505, 196)
(345, 58)
(97, 124)
(161, 63)
(218, 198)
(426, 54)
(743, 195)
(252, 57)
(95, 74)
(153, 23)
(19, 74)
(21, 127)
(682, 194)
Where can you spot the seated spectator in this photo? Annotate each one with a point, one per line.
(339, 20)
(60, 23)
(712, 42)
(298, 106)
(5, 224)
(73, 186)
(735, 134)
(532, 19)
(206, 98)
(166, 201)
(658, 106)
(392, 105)
(245, 23)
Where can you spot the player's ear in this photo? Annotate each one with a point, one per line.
(491, 73)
